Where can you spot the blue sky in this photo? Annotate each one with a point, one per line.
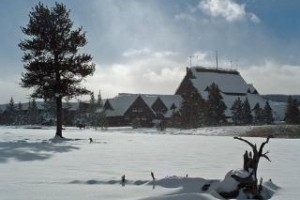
(143, 46)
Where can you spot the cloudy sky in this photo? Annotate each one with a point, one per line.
(144, 46)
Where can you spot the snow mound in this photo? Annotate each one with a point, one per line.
(229, 184)
(189, 187)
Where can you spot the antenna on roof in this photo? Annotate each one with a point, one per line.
(217, 60)
(237, 64)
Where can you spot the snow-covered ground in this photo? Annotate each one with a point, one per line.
(33, 167)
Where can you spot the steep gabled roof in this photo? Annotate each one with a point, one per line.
(121, 103)
(170, 100)
(228, 81)
(159, 106)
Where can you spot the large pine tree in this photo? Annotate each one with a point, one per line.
(247, 117)
(53, 66)
(236, 111)
(215, 106)
(192, 110)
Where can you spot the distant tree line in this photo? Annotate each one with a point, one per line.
(292, 114)
(242, 113)
(44, 113)
(196, 111)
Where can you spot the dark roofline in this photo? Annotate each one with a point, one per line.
(219, 70)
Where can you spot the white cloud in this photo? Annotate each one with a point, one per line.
(155, 75)
(163, 76)
(254, 18)
(13, 89)
(227, 9)
(162, 54)
(273, 78)
(147, 52)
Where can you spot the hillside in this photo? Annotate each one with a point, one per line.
(280, 97)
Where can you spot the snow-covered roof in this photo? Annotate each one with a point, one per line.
(170, 100)
(231, 84)
(121, 103)
(228, 81)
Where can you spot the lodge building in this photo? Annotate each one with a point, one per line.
(140, 109)
(126, 109)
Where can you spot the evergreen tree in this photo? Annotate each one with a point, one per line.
(268, 114)
(48, 116)
(192, 110)
(92, 105)
(236, 110)
(92, 111)
(11, 112)
(54, 68)
(33, 114)
(258, 114)
(99, 100)
(292, 114)
(247, 117)
(19, 119)
(68, 117)
(100, 112)
(215, 106)
(81, 116)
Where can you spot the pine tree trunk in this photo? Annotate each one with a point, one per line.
(59, 117)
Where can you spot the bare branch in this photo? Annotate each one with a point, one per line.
(249, 143)
(265, 156)
(263, 144)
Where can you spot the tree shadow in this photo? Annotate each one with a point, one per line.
(30, 151)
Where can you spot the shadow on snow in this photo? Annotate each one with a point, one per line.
(22, 150)
(188, 187)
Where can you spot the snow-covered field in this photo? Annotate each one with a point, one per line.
(32, 167)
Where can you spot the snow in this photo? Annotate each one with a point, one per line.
(123, 101)
(232, 86)
(34, 167)
(227, 82)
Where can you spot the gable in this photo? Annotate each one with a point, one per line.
(120, 104)
(159, 107)
(107, 105)
(139, 107)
